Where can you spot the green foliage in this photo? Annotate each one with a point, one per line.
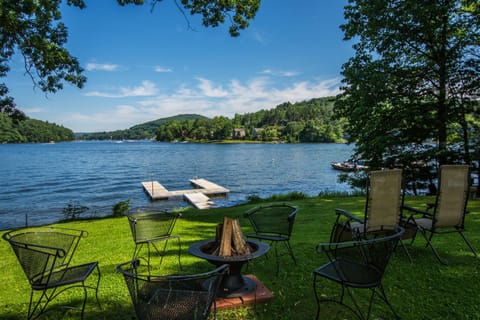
(120, 208)
(34, 29)
(31, 130)
(412, 83)
(291, 196)
(307, 121)
(142, 131)
(214, 13)
(73, 210)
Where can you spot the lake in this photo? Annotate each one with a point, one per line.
(39, 180)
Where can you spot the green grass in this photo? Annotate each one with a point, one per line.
(422, 290)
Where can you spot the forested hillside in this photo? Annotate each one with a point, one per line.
(307, 121)
(142, 131)
(31, 130)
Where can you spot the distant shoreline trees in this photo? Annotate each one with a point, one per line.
(303, 122)
(32, 130)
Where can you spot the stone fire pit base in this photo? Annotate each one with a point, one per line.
(260, 295)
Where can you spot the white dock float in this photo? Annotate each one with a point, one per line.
(197, 196)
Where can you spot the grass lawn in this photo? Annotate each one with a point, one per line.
(424, 289)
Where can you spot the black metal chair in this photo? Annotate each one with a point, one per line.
(448, 211)
(274, 224)
(150, 226)
(45, 254)
(357, 264)
(166, 297)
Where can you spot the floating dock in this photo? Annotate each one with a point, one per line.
(196, 196)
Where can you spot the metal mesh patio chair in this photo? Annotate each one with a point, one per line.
(357, 264)
(45, 255)
(273, 224)
(148, 227)
(382, 207)
(447, 214)
(169, 297)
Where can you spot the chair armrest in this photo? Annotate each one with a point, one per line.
(349, 215)
(414, 211)
(332, 246)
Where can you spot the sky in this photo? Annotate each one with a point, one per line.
(142, 65)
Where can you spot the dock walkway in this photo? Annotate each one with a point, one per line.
(196, 196)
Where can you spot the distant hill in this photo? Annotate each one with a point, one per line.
(305, 121)
(31, 130)
(142, 131)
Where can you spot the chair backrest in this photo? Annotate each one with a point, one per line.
(371, 249)
(41, 251)
(452, 196)
(384, 196)
(149, 225)
(275, 219)
(171, 297)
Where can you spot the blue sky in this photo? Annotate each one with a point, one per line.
(144, 65)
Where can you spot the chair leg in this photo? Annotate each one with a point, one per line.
(277, 259)
(406, 251)
(179, 252)
(316, 295)
(290, 251)
(468, 243)
(97, 286)
(429, 243)
(383, 295)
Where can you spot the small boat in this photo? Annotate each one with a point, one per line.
(348, 166)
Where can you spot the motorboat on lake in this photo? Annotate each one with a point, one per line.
(349, 166)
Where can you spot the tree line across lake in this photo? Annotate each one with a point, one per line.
(307, 121)
(21, 130)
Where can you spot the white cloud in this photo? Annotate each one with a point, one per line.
(102, 67)
(33, 110)
(147, 88)
(162, 69)
(279, 73)
(212, 99)
(210, 90)
(206, 97)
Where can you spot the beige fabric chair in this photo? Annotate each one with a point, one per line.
(382, 208)
(449, 210)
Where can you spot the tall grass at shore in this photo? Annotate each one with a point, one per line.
(423, 289)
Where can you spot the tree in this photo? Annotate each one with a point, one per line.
(215, 12)
(413, 78)
(34, 30)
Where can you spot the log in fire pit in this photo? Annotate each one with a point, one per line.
(230, 247)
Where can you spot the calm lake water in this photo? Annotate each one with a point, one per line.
(39, 180)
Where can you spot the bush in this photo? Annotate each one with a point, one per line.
(73, 210)
(120, 208)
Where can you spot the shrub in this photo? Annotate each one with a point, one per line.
(73, 210)
(120, 208)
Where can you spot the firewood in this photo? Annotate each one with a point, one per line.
(226, 242)
(240, 244)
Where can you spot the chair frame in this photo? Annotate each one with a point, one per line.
(346, 222)
(149, 216)
(333, 270)
(134, 278)
(53, 275)
(273, 236)
(435, 218)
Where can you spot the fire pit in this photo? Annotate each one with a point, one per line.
(234, 284)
